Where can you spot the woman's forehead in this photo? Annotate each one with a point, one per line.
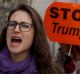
(21, 16)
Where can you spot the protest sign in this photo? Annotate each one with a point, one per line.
(62, 22)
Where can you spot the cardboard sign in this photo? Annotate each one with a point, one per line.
(62, 22)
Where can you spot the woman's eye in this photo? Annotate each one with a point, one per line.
(12, 24)
(25, 26)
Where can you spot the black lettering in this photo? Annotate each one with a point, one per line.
(65, 30)
(74, 15)
(54, 13)
(59, 28)
(65, 11)
(55, 24)
(74, 31)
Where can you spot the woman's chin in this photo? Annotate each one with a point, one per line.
(15, 50)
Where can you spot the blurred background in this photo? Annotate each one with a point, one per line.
(40, 5)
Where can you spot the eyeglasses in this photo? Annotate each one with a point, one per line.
(23, 26)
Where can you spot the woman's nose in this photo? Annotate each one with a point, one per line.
(17, 29)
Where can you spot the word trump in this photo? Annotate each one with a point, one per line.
(62, 22)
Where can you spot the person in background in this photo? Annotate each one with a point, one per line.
(76, 57)
(24, 48)
(69, 58)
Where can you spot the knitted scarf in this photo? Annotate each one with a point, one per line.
(27, 66)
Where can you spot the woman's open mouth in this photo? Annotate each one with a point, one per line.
(15, 41)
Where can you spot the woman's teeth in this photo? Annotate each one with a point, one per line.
(16, 40)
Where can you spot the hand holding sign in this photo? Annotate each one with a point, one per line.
(62, 23)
